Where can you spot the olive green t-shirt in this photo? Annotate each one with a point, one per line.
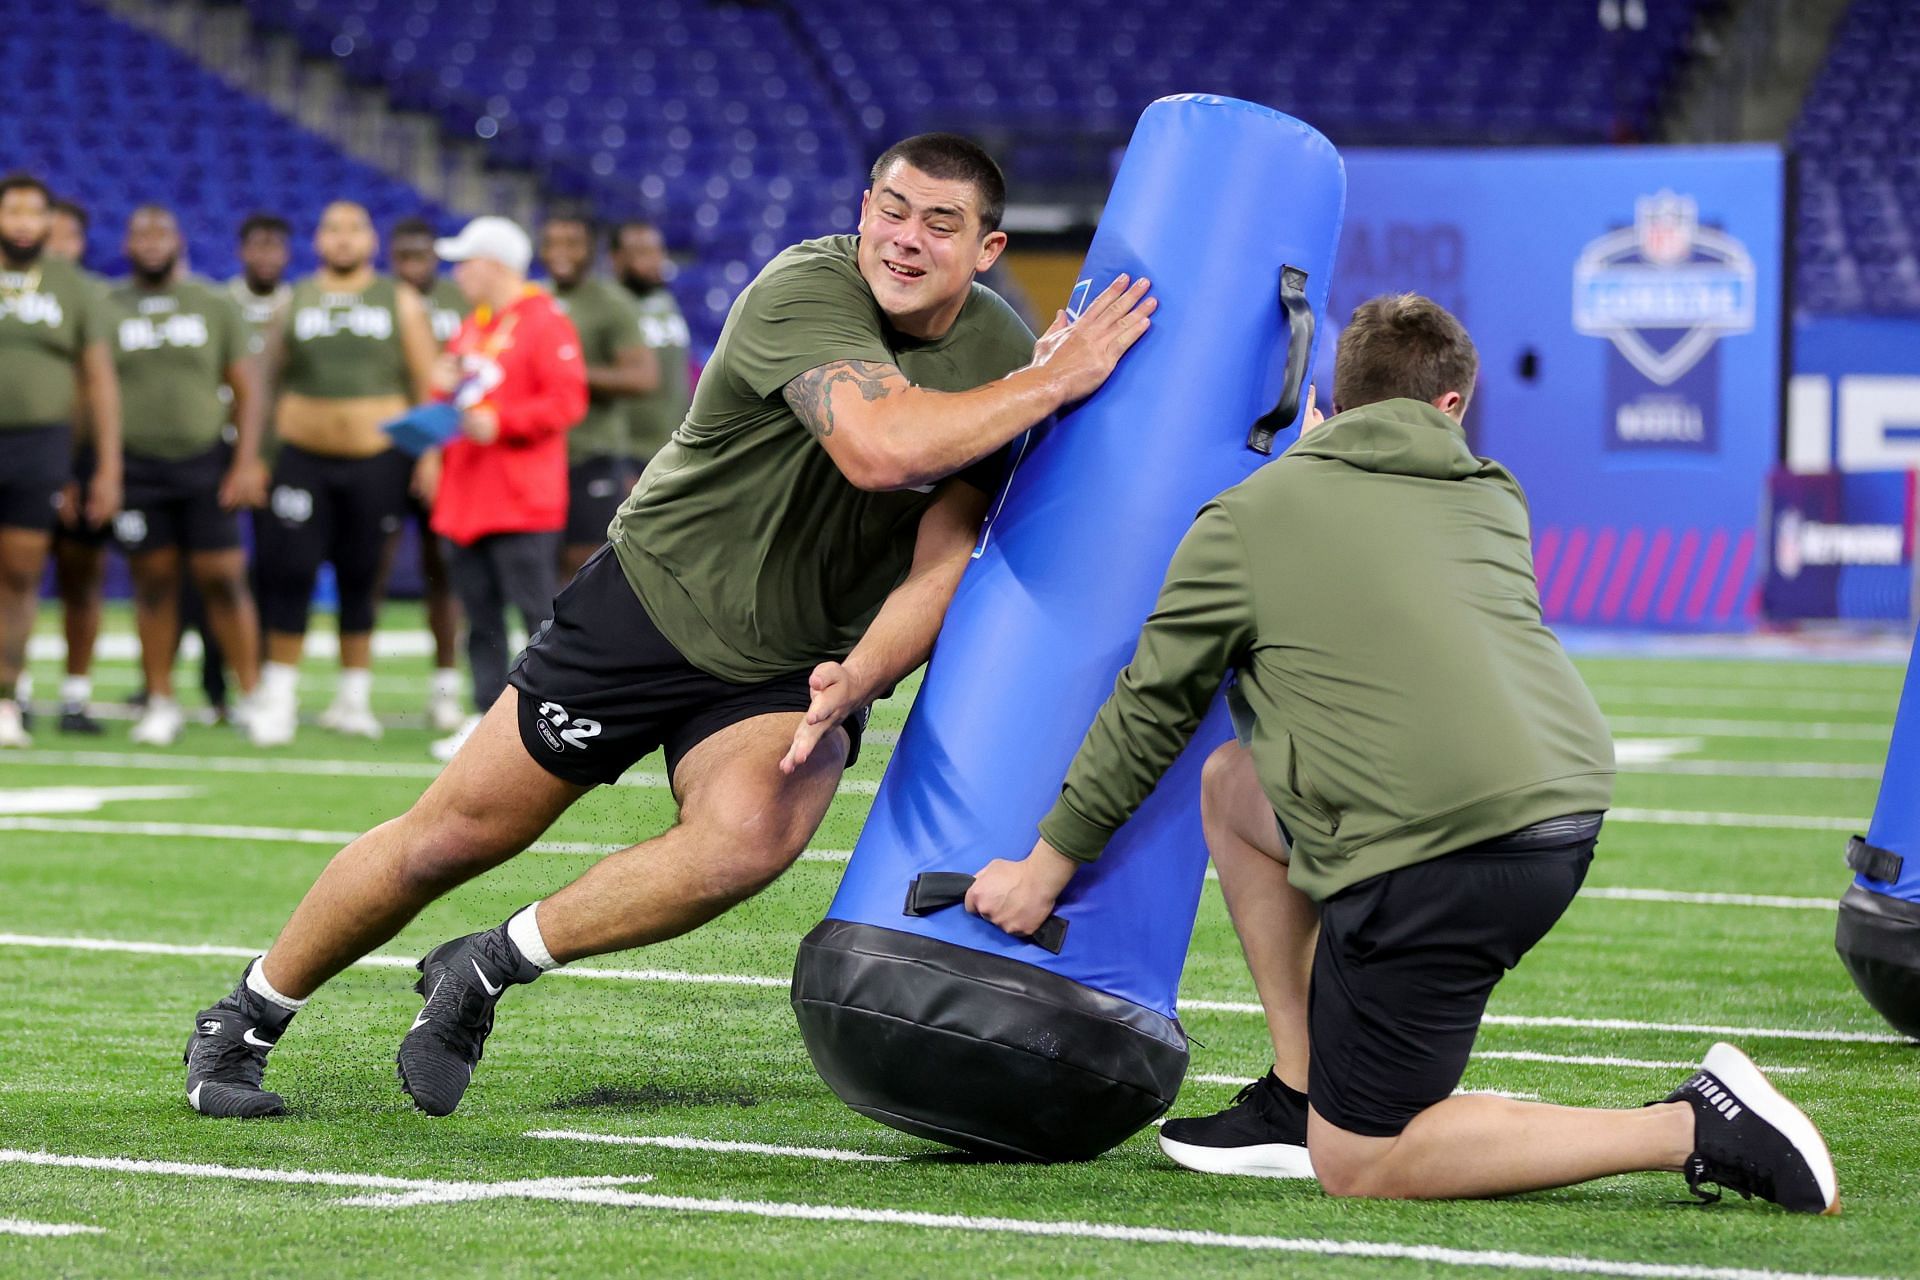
(257, 309)
(343, 345)
(751, 552)
(446, 308)
(171, 349)
(49, 314)
(607, 323)
(651, 418)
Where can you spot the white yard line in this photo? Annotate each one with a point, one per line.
(1751, 728)
(756, 980)
(1568, 1060)
(1238, 1081)
(1763, 821)
(21, 1227)
(406, 1192)
(267, 762)
(1752, 768)
(1710, 899)
(1610, 696)
(677, 1143)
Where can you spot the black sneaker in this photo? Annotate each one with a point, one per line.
(462, 981)
(1262, 1135)
(74, 718)
(1748, 1138)
(227, 1056)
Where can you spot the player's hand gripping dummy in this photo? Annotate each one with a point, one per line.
(1059, 1046)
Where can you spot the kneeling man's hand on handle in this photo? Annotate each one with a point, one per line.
(1019, 896)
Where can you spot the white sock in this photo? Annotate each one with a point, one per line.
(23, 688)
(76, 691)
(523, 929)
(279, 682)
(447, 682)
(161, 702)
(258, 984)
(356, 688)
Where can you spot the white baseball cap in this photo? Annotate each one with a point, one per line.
(496, 239)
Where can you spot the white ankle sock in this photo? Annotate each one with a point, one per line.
(258, 984)
(447, 682)
(279, 682)
(523, 928)
(356, 688)
(23, 688)
(76, 690)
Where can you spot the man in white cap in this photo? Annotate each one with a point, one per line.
(514, 371)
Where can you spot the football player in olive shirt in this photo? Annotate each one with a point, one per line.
(784, 561)
(640, 260)
(79, 548)
(410, 251)
(52, 336)
(177, 343)
(620, 367)
(261, 288)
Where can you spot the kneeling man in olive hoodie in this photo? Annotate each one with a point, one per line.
(1413, 802)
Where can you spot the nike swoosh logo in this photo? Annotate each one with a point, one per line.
(491, 989)
(193, 1095)
(255, 1040)
(420, 1018)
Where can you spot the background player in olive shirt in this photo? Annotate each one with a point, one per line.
(79, 548)
(807, 510)
(640, 262)
(261, 288)
(620, 367)
(52, 336)
(410, 251)
(177, 343)
(350, 351)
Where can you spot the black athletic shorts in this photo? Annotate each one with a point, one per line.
(175, 502)
(34, 464)
(595, 489)
(600, 687)
(1407, 959)
(83, 533)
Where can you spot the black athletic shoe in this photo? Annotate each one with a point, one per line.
(227, 1056)
(1748, 1138)
(74, 718)
(462, 981)
(1262, 1135)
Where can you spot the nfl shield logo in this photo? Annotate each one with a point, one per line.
(1664, 225)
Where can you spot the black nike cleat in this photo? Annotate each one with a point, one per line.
(1262, 1135)
(1748, 1138)
(75, 718)
(227, 1056)
(462, 981)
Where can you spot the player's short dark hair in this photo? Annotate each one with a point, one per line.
(74, 211)
(270, 223)
(952, 158)
(1401, 344)
(414, 226)
(24, 182)
(620, 229)
(579, 217)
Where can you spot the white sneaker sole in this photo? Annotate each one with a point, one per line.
(1746, 1082)
(1270, 1160)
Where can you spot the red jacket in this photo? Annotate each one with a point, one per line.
(523, 363)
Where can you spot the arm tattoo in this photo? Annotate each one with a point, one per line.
(811, 394)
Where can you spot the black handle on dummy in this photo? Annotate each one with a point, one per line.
(932, 891)
(1299, 314)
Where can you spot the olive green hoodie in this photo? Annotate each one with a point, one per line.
(1373, 588)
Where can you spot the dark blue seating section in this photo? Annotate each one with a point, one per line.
(111, 117)
(746, 126)
(1858, 143)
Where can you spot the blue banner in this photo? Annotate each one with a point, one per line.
(1626, 303)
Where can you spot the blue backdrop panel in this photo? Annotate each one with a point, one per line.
(1878, 936)
(1626, 304)
(1213, 199)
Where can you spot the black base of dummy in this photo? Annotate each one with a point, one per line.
(978, 1051)
(1878, 939)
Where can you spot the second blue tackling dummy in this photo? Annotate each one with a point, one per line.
(936, 1022)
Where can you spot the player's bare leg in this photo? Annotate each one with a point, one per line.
(23, 557)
